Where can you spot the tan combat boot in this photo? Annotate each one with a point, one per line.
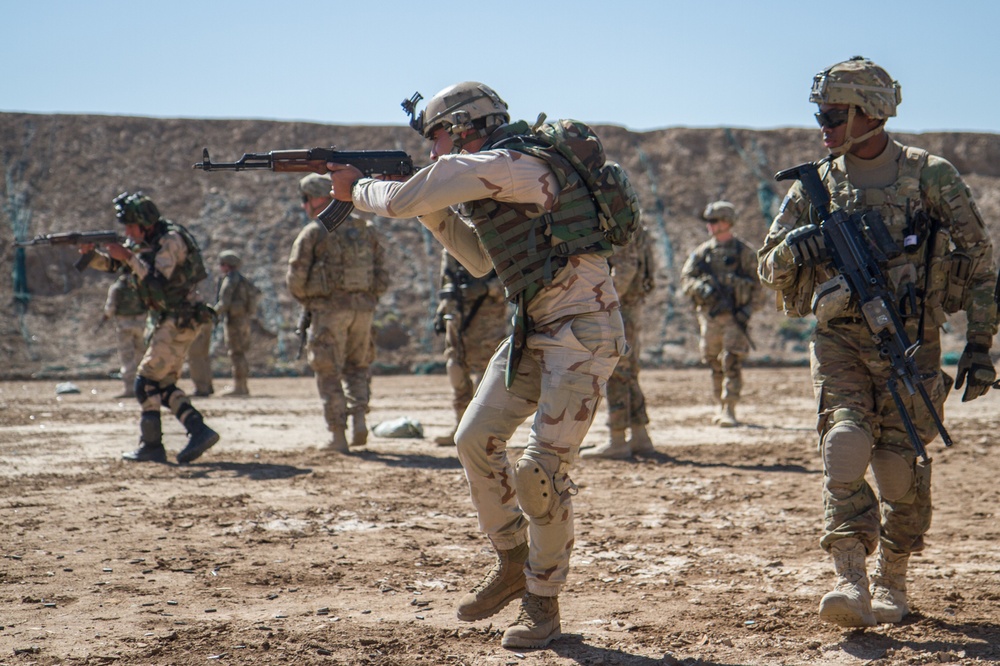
(446, 440)
(337, 443)
(727, 417)
(536, 625)
(640, 442)
(503, 584)
(614, 449)
(359, 429)
(889, 586)
(850, 602)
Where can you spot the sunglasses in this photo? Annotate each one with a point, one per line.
(832, 118)
(305, 198)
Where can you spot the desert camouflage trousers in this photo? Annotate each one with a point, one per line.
(723, 347)
(468, 352)
(163, 361)
(237, 336)
(847, 373)
(560, 379)
(339, 349)
(200, 358)
(626, 403)
(130, 334)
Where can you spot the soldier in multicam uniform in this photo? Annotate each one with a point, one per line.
(720, 278)
(472, 309)
(633, 268)
(338, 278)
(479, 202)
(124, 306)
(234, 303)
(164, 265)
(946, 264)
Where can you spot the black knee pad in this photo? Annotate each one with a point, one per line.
(145, 388)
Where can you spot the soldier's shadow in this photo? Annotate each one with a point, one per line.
(255, 471)
(409, 460)
(572, 646)
(982, 639)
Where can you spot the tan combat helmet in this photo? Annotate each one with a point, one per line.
(315, 185)
(469, 106)
(861, 84)
(719, 210)
(229, 258)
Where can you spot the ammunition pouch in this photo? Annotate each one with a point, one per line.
(960, 269)
(832, 300)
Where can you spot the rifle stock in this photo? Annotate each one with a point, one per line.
(851, 254)
(314, 160)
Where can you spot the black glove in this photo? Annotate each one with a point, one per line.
(975, 370)
(807, 245)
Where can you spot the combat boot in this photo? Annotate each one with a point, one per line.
(727, 417)
(889, 586)
(359, 429)
(200, 438)
(614, 449)
(150, 440)
(640, 442)
(147, 453)
(536, 625)
(337, 443)
(850, 602)
(503, 584)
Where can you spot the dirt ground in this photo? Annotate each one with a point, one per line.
(269, 551)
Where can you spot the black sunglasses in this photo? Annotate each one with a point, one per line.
(832, 118)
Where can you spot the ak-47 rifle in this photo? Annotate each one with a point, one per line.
(75, 238)
(724, 301)
(314, 160)
(854, 257)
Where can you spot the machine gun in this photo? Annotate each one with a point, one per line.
(314, 160)
(75, 238)
(853, 257)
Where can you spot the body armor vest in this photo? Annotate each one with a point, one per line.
(171, 296)
(528, 248)
(345, 260)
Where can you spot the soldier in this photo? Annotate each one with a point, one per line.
(633, 269)
(235, 305)
(944, 264)
(471, 309)
(338, 278)
(165, 265)
(126, 308)
(494, 208)
(720, 278)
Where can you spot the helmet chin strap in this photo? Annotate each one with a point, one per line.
(849, 141)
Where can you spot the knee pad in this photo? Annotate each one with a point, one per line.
(847, 446)
(893, 474)
(145, 389)
(536, 492)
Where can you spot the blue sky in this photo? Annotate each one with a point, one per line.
(642, 65)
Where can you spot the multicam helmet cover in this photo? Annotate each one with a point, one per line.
(719, 210)
(858, 82)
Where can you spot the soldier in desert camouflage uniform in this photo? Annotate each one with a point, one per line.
(338, 278)
(235, 305)
(164, 264)
(720, 278)
(568, 337)
(633, 268)
(472, 310)
(199, 359)
(944, 264)
(126, 309)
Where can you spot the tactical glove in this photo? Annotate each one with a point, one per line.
(705, 291)
(807, 245)
(976, 368)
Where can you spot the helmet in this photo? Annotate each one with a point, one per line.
(858, 82)
(229, 258)
(315, 185)
(464, 106)
(719, 210)
(136, 208)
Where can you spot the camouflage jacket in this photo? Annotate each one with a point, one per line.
(721, 274)
(633, 268)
